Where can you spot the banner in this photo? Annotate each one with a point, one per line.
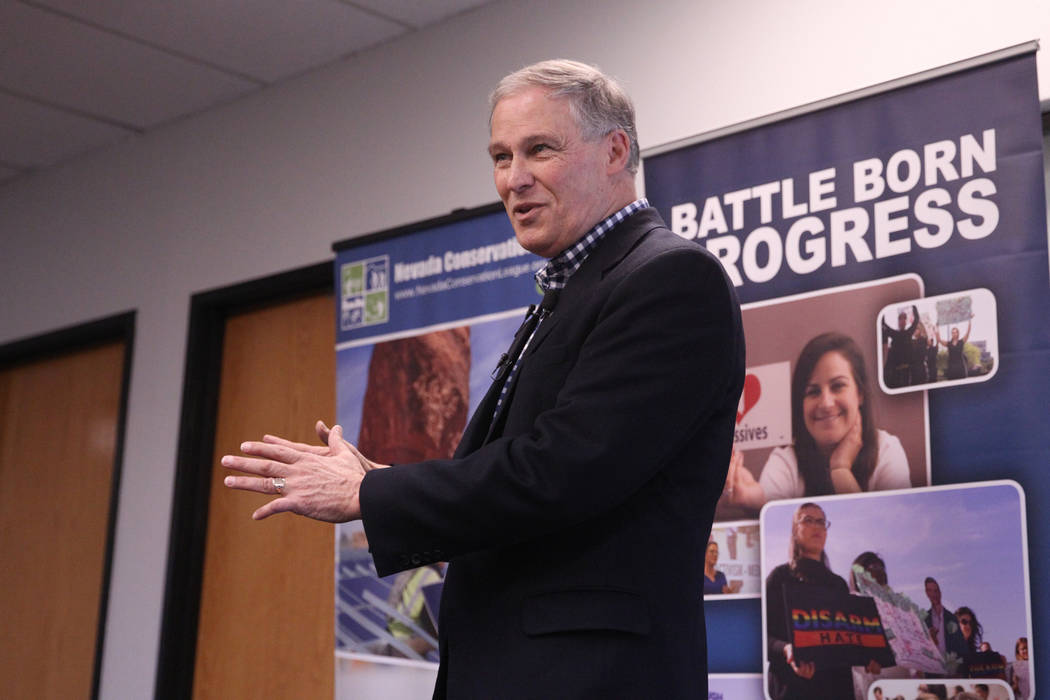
(424, 313)
(904, 228)
(890, 252)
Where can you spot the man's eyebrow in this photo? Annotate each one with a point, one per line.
(545, 137)
(530, 140)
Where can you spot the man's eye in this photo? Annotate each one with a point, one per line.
(540, 147)
(500, 158)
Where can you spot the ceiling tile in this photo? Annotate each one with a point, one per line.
(64, 63)
(419, 13)
(32, 135)
(265, 39)
(75, 75)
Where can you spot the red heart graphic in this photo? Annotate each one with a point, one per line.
(752, 390)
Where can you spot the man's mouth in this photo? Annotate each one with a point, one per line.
(525, 208)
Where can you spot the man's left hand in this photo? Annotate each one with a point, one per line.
(320, 482)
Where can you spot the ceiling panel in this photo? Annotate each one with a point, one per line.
(79, 75)
(35, 136)
(419, 13)
(64, 63)
(264, 39)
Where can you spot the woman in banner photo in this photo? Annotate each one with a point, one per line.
(972, 630)
(1018, 672)
(837, 448)
(918, 372)
(956, 359)
(807, 565)
(715, 581)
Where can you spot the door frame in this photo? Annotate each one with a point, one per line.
(195, 457)
(116, 328)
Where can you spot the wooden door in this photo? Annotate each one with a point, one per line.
(59, 422)
(266, 620)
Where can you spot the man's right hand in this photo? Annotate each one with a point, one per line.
(320, 482)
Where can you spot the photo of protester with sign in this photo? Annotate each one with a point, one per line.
(926, 609)
(940, 341)
(814, 632)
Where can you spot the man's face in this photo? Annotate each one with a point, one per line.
(933, 592)
(554, 184)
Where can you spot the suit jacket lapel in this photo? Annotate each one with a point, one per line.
(477, 431)
(479, 427)
(609, 253)
(612, 250)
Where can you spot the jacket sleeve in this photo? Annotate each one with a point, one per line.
(664, 355)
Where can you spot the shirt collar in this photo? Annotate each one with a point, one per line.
(556, 273)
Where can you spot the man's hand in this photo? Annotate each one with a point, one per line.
(320, 482)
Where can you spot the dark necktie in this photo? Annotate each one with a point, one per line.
(508, 363)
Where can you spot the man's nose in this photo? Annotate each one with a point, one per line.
(520, 177)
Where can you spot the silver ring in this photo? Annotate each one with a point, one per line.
(278, 483)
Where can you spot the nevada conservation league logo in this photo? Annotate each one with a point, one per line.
(364, 293)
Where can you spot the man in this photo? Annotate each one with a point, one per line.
(575, 511)
(944, 626)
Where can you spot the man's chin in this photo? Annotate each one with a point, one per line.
(535, 242)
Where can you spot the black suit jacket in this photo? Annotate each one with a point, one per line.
(576, 533)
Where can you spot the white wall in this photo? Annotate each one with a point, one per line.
(391, 136)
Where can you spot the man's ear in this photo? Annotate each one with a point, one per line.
(618, 151)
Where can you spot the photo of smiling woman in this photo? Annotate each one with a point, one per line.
(837, 448)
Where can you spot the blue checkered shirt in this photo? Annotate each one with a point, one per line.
(556, 273)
